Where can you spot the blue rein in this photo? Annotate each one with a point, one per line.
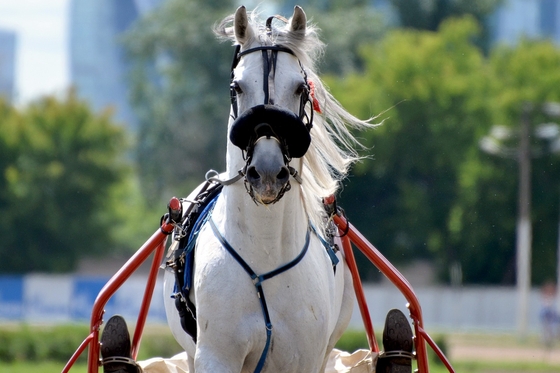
(258, 280)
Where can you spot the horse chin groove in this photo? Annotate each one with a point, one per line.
(266, 200)
(267, 194)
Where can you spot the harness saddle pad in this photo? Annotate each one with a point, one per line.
(183, 256)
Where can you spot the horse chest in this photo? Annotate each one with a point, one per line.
(299, 303)
(296, 293)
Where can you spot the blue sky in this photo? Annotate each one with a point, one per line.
(41, 45)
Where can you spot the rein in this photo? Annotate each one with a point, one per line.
(258, 280)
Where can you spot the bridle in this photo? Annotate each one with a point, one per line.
(269, 57)
(291, 129)
(266, 120)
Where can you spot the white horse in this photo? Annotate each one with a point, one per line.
(289, 158)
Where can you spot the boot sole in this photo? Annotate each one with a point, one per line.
(397, 336)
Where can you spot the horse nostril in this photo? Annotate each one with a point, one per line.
(284, 174)
(253, 174)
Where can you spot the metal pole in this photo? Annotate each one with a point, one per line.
(523, 243)
(558, 268)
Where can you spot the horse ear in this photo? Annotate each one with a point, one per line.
(241, 28)
(298, 22)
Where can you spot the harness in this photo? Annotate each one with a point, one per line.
(258, 280)
(180, 257)
(181, 261)
(267, 120)
(270, 56)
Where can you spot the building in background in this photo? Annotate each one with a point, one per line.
(98, 64)
(532, 19)
(511, 21)
(7, 64)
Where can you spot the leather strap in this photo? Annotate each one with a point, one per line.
(257, 281)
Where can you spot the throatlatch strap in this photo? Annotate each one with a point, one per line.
(257, 281)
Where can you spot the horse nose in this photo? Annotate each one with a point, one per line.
(268, 175)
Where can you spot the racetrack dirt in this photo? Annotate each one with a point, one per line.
(500, 348)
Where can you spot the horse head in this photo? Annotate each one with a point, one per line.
(270, 93)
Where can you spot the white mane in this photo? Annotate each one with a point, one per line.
(332, 150)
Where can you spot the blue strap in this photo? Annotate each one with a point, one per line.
(257, 281)
(328, 247)
(191, 243)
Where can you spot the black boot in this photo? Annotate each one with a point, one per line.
(397, 344)
(115, 348)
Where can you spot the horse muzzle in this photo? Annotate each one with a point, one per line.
(267, 177)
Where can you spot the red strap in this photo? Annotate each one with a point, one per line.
(313, 98)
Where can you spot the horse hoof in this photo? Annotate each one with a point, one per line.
(397, 344)
(115, 348)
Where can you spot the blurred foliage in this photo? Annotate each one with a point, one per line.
(180, 92)
(346, 30)
(430, 88)
(27, 343)
(68, 187)
(429, 191)
(353, 340)
(345, 26)
(430, 14)
(158, 341)
(484, 214)
(61, 169)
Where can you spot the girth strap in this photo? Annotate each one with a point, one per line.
(257, 281)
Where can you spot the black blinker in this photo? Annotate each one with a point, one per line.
(269, 120)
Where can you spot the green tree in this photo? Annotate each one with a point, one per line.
(346, 30)
(430, 89)
(180, 92)
(430, 191)
(484, 215)
(429, 14)
(345, 27)
(59, 163)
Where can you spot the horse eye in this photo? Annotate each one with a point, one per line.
(235, 86)
(301, 89)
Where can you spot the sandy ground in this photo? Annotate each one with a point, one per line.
(551, 356)
(501, 348)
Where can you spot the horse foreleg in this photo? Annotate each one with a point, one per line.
(207, 360)
(346, 306)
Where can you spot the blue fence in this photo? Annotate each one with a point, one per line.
(58, 299)
(48, 298)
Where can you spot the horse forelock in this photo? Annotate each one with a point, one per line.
(333, 146)
(308, 48)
